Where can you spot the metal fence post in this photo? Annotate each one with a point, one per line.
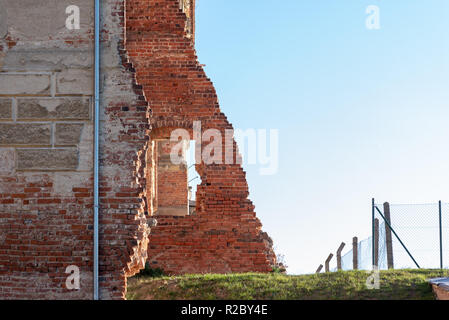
(388, 236)
(399, 239)
(355, 256)
(376, 242)
(340, 249)
(441, 235)
(328, 260)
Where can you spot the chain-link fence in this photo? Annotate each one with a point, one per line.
(404, 236)
(364, 254)
(423, 230)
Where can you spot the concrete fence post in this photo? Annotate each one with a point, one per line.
(339, 250)
(388, 236)
(319, 269)
(355, 254)
(328, 260)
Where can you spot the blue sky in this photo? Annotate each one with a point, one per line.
(361, 113)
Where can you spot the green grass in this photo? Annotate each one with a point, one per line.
(396, 285)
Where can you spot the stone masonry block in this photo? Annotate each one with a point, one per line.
(5, 109)
(21, 84)
(75, 81)
(47, 59)
(7, 161)
(68, 133)
(61, 108)
(40, 20)
(25, 134)
(3, 21)
(47, 159)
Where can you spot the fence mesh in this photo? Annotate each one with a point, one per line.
(445, 231)
(418, 227)
(364, 258)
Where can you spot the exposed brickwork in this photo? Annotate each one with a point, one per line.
(46, 150)
(172, 183)
(125, 130)
(45, 190)
(224, 235)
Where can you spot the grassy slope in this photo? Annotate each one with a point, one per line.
(398, 285)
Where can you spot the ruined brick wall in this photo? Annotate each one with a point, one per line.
(224, 235)
(124, 140)
(46, 152)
